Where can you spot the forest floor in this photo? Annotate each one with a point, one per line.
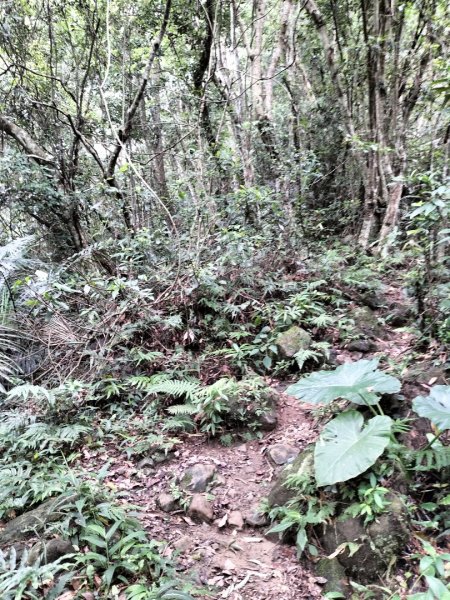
(239, 561)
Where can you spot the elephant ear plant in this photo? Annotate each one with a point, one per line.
(348, 446)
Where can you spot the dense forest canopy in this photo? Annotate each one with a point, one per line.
(126, 115)
(205, 204)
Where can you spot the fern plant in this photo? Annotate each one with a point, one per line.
(11, 260)
(223, 404)
(19, 579)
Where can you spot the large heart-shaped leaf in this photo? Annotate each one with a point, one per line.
(435, 407)
(346, 448)
(359, 382)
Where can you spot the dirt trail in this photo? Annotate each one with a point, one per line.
(242, 563)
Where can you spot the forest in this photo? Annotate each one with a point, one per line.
(224, 299)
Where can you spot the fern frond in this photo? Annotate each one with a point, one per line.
(11, 257)
(303, 355)
(11, 421)
(437, 458)
(26, 391)
(322, 320)
(141, 382)
(182, 409)
(44, 436)
(170, 387)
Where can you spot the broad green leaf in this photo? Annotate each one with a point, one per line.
(438, 588)
(301, 540)
(346, 448)
(360, 382)
(435, 407)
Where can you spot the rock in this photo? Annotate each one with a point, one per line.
(365, 321)
(292, 341)
(373, 298)
(304, 464)
(146, 463)
(334, 573)
(166, 502)
(380, 542)
(256, 519)
(332, 358)
(183, 543)
(426, 372)
(362, 345)
(281, 454)
(200, 509)
(268, 421)
(49, 551)
(34, 521)
(197, 477)
(235, 519)
(399, 315)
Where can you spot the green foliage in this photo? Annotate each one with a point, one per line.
(225, 404)
(25, 484)
(360, 382)
(369, 499)
(432, 568)
(346, 447)
(435, 407)
(306, 510)
(19, 579)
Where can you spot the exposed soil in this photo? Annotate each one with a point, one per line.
(241, 564)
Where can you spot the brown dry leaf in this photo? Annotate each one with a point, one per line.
(229, 565)
(222, 522)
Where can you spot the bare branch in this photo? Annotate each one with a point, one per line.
(26, 142)
(125, 131)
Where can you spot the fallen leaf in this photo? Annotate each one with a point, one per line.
(222, 522)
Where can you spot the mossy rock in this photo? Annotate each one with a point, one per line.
(292, 341)
(379, 543)
(34, 521)
(366, 321)
(304, 464)
(334, 573)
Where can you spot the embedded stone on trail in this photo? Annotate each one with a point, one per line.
(303, 465)
(200, 509)
(256, 519)
(292, 341)
(49, 551)
(198, 477)
(235, 519)
(166, 502)
(366, 321)
(282, 454)
(379, 543)
(362, 345)
(268, 421)
(334, 573)
(34, 521)
(400, 315)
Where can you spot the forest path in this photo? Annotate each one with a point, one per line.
(241, 563)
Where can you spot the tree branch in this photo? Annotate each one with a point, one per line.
(125, 131)
(26, 142)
